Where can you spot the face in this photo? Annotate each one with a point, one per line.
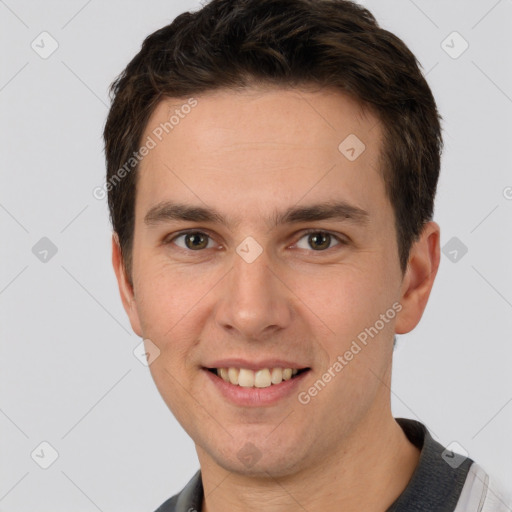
(264, 240)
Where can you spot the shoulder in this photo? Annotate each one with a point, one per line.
(482, 493)
(169, 505)
(189, 499)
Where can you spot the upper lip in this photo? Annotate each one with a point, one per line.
(255, 365)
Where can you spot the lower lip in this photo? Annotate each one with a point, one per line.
(256, 397)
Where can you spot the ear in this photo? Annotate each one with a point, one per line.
(125, 288)
(419, 278)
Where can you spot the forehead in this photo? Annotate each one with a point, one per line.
(262, 146)
(262, 112)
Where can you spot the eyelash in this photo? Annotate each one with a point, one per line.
(340, 240)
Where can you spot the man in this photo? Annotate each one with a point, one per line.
(272, 168)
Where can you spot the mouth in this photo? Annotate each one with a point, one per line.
(261, 378)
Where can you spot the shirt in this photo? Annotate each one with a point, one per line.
(443, 481)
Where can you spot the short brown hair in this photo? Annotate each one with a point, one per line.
(231, 44)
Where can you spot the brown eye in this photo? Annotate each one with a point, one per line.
(318, 241)
(193, 240)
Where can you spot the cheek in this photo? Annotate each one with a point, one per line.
(165, 296)
(346, 299)
(173, 304)
(350, 303)
(167, 304)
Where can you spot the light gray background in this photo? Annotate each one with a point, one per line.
(68, 375)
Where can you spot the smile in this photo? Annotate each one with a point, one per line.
(262, 378)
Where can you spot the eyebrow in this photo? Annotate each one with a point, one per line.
(331, 210)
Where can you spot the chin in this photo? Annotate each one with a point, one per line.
(268, 466)
(259, 458)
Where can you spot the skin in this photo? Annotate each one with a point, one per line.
(248, 154)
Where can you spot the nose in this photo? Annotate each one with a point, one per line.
(255, 302)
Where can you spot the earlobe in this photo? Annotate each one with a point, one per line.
(419, 278)
(125, 287)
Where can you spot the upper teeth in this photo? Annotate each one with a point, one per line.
(261, 378)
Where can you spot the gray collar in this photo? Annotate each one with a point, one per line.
(439, 477)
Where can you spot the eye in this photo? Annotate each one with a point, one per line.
(193, 240)
(319, 240)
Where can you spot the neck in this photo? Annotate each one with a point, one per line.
(368, 472)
